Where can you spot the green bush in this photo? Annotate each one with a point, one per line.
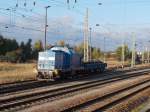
(12, 56)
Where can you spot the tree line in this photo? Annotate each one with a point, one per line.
(97, 53)
(25, 51)
(22, 52)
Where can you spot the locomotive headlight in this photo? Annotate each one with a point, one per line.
(50, 72)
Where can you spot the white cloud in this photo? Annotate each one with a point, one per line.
(65, 28)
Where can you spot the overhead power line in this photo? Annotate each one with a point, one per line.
(18, 14)
(21, 27)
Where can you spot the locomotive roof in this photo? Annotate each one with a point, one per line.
(62, 49)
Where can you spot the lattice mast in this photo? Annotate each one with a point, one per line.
(86, 37)
(133, 51)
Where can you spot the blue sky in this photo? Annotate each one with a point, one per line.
(117, 19)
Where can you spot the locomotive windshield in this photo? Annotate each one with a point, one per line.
(46, 60)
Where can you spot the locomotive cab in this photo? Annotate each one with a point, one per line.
(54, 63)
(46, 65)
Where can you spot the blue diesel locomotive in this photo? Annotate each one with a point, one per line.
(62, 63)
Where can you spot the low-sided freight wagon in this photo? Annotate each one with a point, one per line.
(62, 62)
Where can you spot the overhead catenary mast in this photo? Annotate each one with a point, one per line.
(90, 44)
(148, 52)
(123, 53)
(143, 56)
(45, 32)
(86, 37)
(133, 51)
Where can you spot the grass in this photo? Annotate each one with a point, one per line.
(139, 108)
(142, 106)
(115, 63)
(12, 72)
(16, 72)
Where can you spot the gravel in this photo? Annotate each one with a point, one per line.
(62, 104)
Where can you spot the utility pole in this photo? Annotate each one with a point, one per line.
(148, 51)
(104, 46)
(142, 57)
(86, 37)
(46, 24)
(133, 52)
(143, 50)
(90, 44)
(104, 50)
(123, 53)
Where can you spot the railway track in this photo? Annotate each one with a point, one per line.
(148, 110)
(27, 85)
(15, 87)
(103, 103)
(24, 86)
(21, 101)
